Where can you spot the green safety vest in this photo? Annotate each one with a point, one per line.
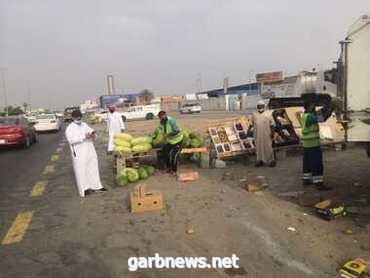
(167, 130)
(310, 134)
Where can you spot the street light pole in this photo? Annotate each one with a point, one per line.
(4, 90)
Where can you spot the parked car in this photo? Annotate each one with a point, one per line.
(190, 108)
(47, 122)
(147, 112)
(31, 117)
(68, 113)
(17, 131)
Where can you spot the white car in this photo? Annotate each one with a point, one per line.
(190, 108)
(31, 117)
(47, 122)
(147, 112)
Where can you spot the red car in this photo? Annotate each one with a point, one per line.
(16, 131)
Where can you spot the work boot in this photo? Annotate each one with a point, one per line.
(272, 163)
(259, 163)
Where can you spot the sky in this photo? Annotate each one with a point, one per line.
(56, 53)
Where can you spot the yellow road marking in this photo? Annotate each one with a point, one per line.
(19, 227)
(38, 189)
(54, 157)
(48, 169)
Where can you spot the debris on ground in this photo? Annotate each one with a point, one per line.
(190, 231)
(348, 232)
(354, 268)
(292, 229)
(256, 184)
(188, 176)
(329, 209)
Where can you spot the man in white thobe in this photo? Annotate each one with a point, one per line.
(115, 125)
(262, 130)
(85, 160)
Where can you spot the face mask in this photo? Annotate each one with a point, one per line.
(261, 110)
(78, 122)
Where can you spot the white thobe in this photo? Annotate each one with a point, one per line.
(84, 158)
(262, 123)
(115, 125)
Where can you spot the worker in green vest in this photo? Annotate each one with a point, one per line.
(170, 151)
(313, 169)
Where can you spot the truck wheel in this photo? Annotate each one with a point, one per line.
(149, 116)
(124, 118)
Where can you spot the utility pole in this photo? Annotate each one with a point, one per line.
(4, 90)
(199, 81)
(29, 96)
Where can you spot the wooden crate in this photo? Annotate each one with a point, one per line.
(142, 200)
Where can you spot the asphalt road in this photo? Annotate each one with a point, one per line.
(19, 170)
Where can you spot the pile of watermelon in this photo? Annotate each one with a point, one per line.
(129, 175)
(192, 139)
(125, 143)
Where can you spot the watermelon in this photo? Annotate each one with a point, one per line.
(195, 143)
(122, 142)
(121, 180)
(186, 138)
(159, 140)
(141, 140)
(132, 174)
(194, 134)
(122, 149)
(149, 169)
(123, 136)
(142, 148)
(143, 173)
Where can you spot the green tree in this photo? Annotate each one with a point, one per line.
(13, 111)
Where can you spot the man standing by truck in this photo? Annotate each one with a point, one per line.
(313, 169)
(172, 135)
(115, 125)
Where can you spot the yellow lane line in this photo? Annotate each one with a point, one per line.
(19, 227)
(39, 188)
(49, 169)
(54, 157)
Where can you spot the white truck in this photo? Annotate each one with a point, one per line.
(354, 82)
